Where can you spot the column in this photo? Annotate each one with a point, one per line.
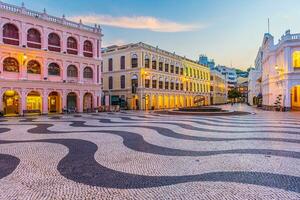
(288, 60)
(1, 34)
(45, 69)
(1, 65)
(95, 74)
(80, 45)
(64, 70)
(95, 100)
(80, 102)
(45, 39)
(95, 48)
(1, 100)
(150, 101)
(23, 101)
(23, 35)
(45, 102)
(64, 99)
(80, 71)
(64, 42)
(163, 101)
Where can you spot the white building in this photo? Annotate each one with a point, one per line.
(254, 79)
(230, 74)
(281, 71)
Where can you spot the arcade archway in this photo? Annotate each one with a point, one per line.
(11, 103)
(87, 102)
(54, 102)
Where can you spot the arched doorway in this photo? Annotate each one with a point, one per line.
(11, 102)
(34, 102)
(88, 102)
(72, 102)
(54, 102)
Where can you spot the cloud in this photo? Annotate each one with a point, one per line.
(137, 22)
(118, 42)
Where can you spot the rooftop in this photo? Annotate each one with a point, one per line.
(44, 16)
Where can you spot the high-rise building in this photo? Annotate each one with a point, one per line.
(203, 60)
(47, 63)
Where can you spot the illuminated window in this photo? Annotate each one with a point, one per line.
(296, 59)
(33, 67)
(10, 65)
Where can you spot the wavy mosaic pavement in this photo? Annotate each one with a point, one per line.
(149, 156)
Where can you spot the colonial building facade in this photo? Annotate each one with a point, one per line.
(47, 63)
(140, 76)
(280, 72)
(218, 88)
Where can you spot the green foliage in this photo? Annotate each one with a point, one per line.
(234, 93)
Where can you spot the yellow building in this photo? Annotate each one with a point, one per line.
(197, 81)
(218, 88)
(142, 77)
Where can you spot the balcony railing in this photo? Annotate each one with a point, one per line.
(45, 16)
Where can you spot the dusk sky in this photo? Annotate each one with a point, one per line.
(230, 31)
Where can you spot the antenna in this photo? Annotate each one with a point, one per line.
(269, 25)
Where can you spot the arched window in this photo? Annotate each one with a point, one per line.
(10, 65)
(10, 34)
(54, 69)
(166, 84)
(34, 38)
(88, 48)
(161, 83)
(147, 62)
(134, 84)
(33, 67)
(72, 71)
(88, 72)
(54, 42)
(134, 61)
(154, 82)
(153, 62)
(72, 46)
(147, 82)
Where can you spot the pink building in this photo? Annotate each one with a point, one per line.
(47, 64)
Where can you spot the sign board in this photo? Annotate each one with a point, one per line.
(199, 99)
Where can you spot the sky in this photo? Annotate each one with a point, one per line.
(229, 31)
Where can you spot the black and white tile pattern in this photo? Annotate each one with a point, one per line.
(136, 155)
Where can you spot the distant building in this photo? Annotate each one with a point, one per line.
(203, 60)
(242, 87)
(218, 88)
(230, 75)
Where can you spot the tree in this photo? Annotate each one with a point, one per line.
(234, 93)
